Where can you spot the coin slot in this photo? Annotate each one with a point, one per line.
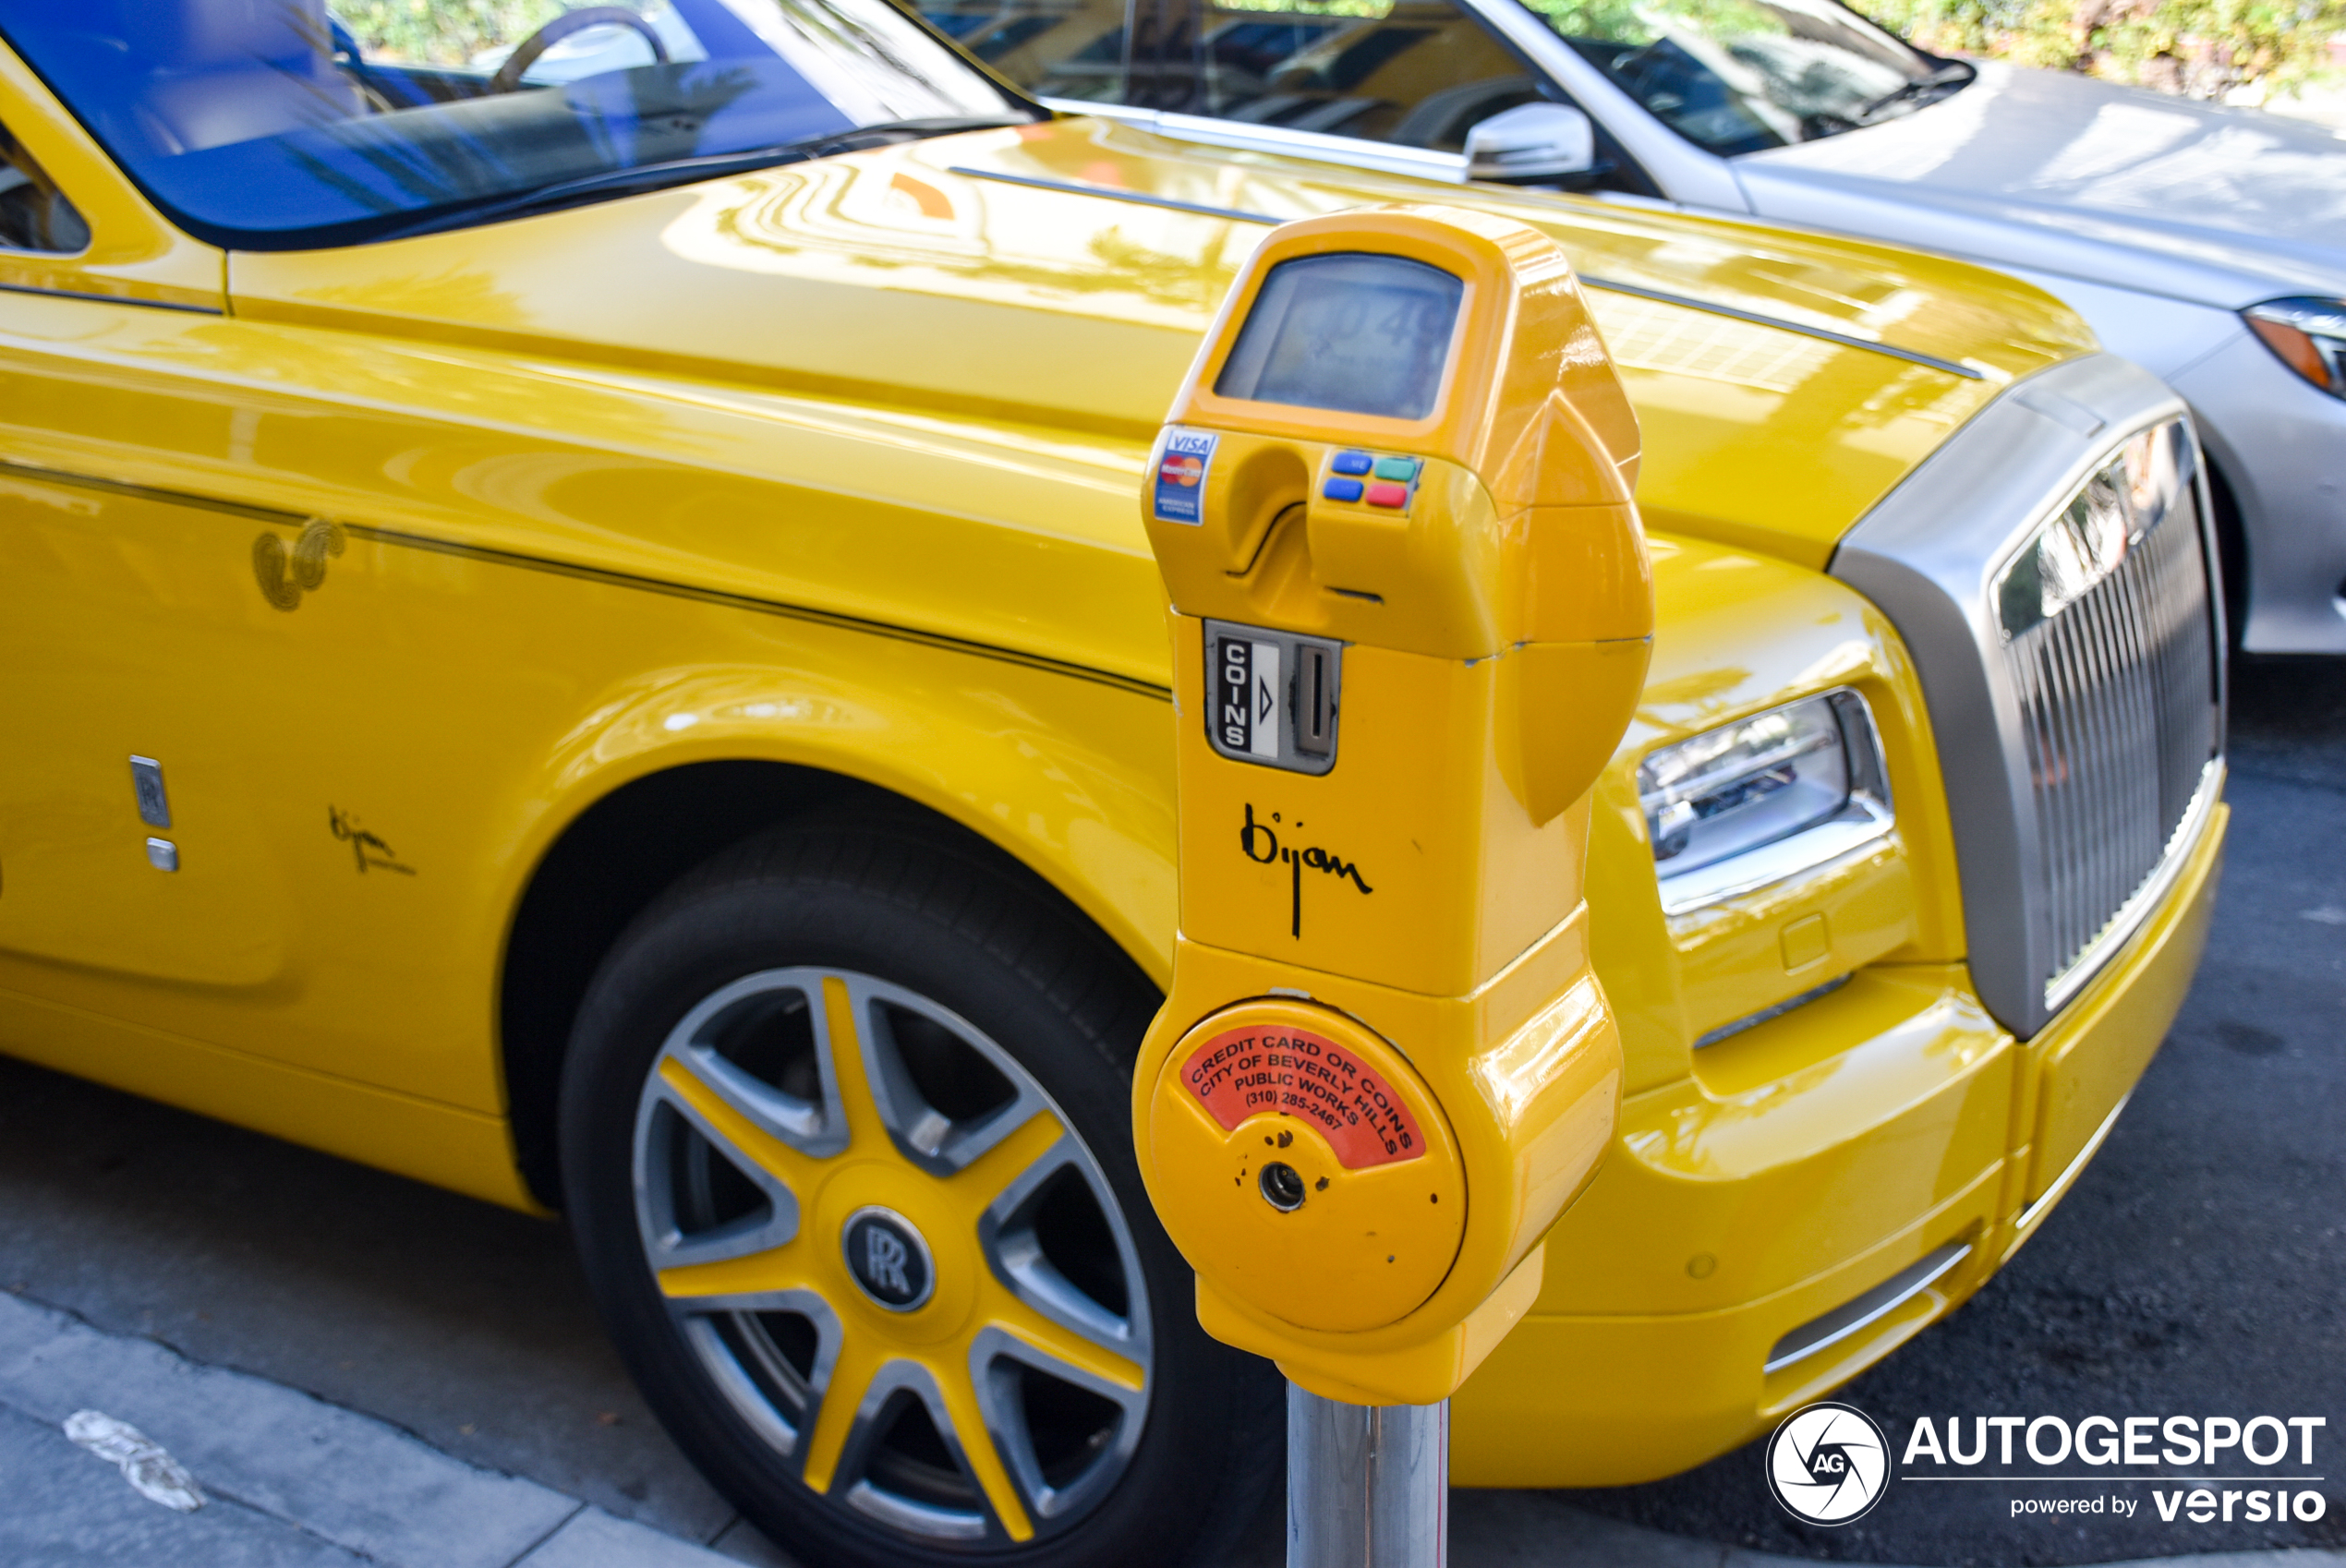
(1314, 701)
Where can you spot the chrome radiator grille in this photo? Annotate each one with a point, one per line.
(2112, 660)
(2049, 566)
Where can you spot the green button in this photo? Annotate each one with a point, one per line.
(1404, 469)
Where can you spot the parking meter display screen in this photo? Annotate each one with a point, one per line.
(1353, 334)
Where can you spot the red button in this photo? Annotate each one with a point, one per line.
(1388, 495)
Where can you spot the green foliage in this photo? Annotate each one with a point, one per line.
(1618, 20)
(440, 32)
(2202, 48)
(1641, 21)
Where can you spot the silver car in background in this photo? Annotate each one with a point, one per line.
(2205, 244)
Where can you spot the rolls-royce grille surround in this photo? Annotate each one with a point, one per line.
(2051, 569)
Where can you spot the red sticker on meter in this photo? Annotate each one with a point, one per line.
(1244, 1072)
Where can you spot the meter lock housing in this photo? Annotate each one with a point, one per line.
(1411, 592)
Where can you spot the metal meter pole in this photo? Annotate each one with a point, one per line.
(1368, 1486)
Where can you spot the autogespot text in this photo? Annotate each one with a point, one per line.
(2211, 1469)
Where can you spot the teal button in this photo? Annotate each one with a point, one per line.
(1401, 469)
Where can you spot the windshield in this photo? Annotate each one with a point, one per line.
(289, 124)
(1737, 76)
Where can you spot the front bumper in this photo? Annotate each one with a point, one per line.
(1866, 1136)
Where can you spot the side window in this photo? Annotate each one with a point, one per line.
(1417, 73)
(1051, 48)
(34, 215)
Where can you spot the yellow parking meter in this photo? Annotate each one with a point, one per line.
(1411, 609)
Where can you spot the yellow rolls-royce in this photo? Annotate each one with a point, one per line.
(575, 625)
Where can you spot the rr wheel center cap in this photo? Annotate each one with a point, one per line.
(888, 1259)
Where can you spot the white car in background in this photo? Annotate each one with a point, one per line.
(2207, 244)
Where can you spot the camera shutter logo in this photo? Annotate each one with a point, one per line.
(1828, 1464)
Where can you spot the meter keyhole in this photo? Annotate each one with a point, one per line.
(1282, 1187)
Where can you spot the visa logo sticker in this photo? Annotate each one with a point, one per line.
(1246, 696)
(1181, 475)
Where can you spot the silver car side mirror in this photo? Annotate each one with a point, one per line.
(1531, 141)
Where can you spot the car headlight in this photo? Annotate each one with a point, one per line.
(1763, 799)
(2308, 334)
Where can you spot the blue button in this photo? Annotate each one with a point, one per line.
(1341, 490)
(1350, 462)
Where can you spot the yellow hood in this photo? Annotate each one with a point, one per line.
(1057, 276)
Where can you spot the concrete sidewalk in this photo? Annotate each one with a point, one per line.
(290, 1481)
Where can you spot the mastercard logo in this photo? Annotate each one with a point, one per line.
(1181, 469)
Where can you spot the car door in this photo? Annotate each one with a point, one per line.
(104, 782)
(209, 694)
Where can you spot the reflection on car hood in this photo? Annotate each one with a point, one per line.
(1060, 276)
(2047, 169)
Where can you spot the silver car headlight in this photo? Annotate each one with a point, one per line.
(2307, 335)
(1763, 799)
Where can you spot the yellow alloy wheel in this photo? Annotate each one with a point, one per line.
(864, 1215)
(847, 1154)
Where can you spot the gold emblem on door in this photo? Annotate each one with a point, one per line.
(285, 574)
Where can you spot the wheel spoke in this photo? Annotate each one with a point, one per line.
(678, 1093)
(709, 1287)
(850, 1423)
(1057, 1348)
(813, 1124)
(1011, 1162)
(1030, 1317)
(716, 1098)
(840, 1413)
(962, 1422)
(736, 1134)
(1033, 1283)
(851, 1059)
(994, 1359)
(930, 1138)
(764, 1387)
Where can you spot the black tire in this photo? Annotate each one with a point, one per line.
(938, 949)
